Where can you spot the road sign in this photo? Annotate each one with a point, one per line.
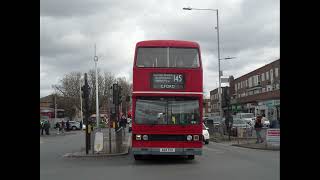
(273, 136)
(224, 80)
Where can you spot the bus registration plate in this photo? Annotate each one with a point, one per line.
(167, 149)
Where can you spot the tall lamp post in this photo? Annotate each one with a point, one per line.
(219, 90)
(97, 100)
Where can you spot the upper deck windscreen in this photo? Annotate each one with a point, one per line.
(168, 57)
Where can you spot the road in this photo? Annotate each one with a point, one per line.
(219, 161)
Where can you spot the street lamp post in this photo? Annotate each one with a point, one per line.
(219, 90)
(97, 100)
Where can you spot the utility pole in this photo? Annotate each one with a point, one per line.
(97, 100)
(81, 114)
(85, 90)
(219, 91)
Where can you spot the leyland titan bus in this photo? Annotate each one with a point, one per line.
(167, 99)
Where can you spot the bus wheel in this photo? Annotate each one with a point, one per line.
(137, 157)
(190, 157)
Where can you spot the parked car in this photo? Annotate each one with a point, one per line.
(205, 134)
(216, 121)
(74, 125)
(266, 123)
(239, 124)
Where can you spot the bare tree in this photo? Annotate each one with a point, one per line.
(68, 90)
(126, 92)
(68, 93)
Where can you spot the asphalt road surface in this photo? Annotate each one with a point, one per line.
(219, 161)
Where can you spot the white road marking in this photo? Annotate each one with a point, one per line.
(213, 150)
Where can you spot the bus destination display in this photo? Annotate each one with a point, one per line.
(167, 81)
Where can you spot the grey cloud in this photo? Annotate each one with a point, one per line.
(62, 8)
(249, 30)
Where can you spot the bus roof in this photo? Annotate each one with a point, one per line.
(167, 43)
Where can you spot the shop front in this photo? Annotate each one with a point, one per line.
(270, 108)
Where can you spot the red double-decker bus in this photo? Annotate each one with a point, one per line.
(167, 99)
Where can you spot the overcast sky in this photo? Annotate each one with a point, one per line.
(249, 31)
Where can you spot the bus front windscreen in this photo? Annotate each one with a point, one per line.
(168, 57)
(166, 111)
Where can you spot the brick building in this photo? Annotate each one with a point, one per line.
(258, 91)
(47, 107)
(206, 107)
(214, 99)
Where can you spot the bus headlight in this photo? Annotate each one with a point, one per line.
(138, 137)
(145, 137)
(196, 137)
(189, 137)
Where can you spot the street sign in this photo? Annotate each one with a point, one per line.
(273, 136)
(224, 80)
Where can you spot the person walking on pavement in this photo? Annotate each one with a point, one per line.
(46, 127)
(68, 125)
(62, 126)
(258, 127)
(123, 121)
(42, 127)
(58, 127)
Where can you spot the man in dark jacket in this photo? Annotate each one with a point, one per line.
(46, 127)
(258, 126)
(68, 125)
(41, 127)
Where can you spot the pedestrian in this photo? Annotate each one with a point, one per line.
(81, 125)
(123, 121)
(62, 126)
(58, 127)
(47, 127)
(42, 127)
(68, 125)
(258, 127)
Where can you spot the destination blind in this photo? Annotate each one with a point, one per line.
(167, 81)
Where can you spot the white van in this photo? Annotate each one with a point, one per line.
(247, 117)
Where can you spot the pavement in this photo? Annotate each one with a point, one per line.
(53, 132)
(249, 142)
(123, 150)
(263, 146)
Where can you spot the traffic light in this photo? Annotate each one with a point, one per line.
(115, 88)
(226, 97)
(119, 95)
(128, 99)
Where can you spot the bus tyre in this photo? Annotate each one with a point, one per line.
(137, 157)
(190, 157)
(207, 141)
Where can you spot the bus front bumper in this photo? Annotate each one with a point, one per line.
(177, 151)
